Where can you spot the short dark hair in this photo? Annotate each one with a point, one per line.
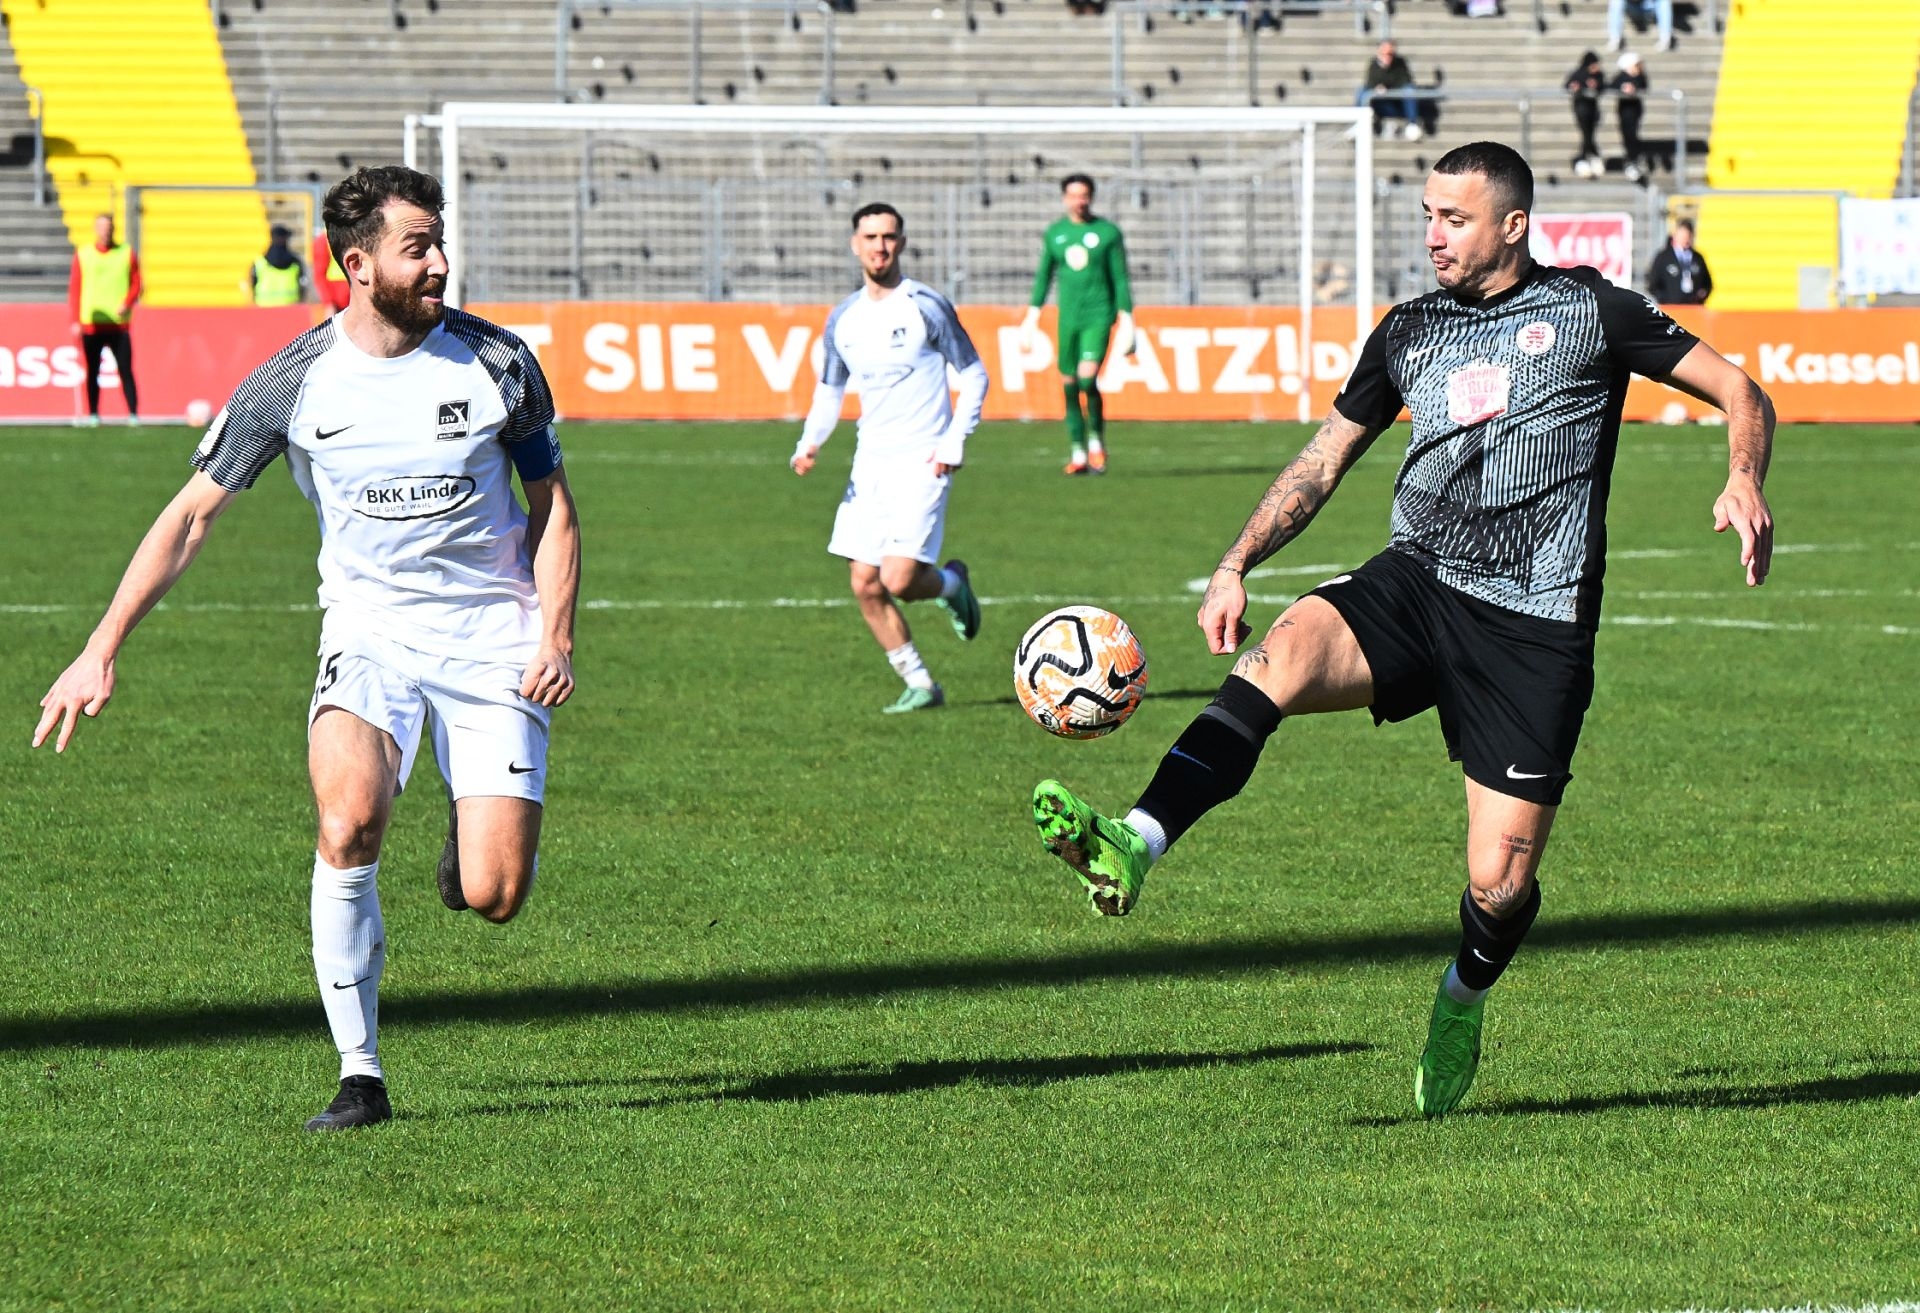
(355, 209)
(872, 208)
(1080, 178)
(1687, 224)
(1506, 173)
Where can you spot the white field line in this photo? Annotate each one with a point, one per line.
(1028, 599)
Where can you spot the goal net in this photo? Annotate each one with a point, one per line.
(693, 203)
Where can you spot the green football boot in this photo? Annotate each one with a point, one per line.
(1109, 856)
(963, 608)
(916, 699)
(1452, 1055)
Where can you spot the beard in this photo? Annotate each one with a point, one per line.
(400, 304)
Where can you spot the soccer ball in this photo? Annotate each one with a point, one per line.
(1079, 672)
(199, 413)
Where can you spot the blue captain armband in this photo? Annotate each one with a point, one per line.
(536, 456)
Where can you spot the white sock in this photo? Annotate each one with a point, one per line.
(1151, 831)
(1458, 992)
(907, 664)
(949, 583)
(349, 954)
(1094, 443)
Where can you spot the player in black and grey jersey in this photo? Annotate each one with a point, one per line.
(1484, 603)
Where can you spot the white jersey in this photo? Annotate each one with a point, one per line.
(408, 462)
(895, 350)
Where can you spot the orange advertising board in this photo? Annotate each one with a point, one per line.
(741, 361)
(609, 360)
(734, 361)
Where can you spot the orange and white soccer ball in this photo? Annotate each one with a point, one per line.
(1079, 672)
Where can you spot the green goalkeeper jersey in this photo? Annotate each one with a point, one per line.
(1091, 260)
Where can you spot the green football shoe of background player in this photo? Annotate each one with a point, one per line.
(1109, 856)
(916, 699)
(963, 608)
(1452, 1055)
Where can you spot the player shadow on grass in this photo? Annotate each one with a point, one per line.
(1867, 1088)
(867, 1078)
(806, 986)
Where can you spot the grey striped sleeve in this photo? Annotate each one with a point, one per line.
(833, 370)
(251, 429)
(515, 372)
(944, 332)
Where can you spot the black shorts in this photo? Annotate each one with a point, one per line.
(1511, 689)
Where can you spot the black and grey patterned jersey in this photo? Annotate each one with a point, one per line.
(409, 462)
(1516, 406)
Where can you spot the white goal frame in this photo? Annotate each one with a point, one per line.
(456, 117)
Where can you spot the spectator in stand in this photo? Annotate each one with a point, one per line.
(101, 292)
(1661, 12)
(278, 277)
(1387, 72)
(1631, 83)
(1584, 85)
(329, 280)
(1679, 274)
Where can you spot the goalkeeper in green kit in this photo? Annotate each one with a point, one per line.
(1096, 305)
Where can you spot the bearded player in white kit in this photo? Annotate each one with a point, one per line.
(896, 338)
(448, 609)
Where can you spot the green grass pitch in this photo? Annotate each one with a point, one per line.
(801, 1016)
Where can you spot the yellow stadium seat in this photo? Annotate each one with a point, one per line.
(137, 94)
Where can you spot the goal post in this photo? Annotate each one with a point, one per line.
(1219, 206)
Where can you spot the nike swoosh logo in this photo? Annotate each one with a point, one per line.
(351, 983)
(1482, 956)
(1415, 355)
(321, 435)
(1175, 752)
(1515, 773)
(521, 770)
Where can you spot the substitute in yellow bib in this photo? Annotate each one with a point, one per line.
(101, 293)
(278, 277)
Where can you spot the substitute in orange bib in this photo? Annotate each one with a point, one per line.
(101, 294)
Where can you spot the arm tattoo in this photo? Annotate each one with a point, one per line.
(1290, 504)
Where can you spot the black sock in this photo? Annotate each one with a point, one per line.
(1488, 944)
(1213, 760)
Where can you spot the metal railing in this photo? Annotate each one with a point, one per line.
(1523, 101)
(37, 111)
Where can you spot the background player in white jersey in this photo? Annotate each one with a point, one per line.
(1485, 604)
(447, 607)
(895, 338)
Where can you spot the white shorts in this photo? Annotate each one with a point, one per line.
(892, 512)
(490, 742)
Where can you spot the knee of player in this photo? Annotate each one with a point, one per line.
(500, 900)
(895, 580)
(498, 910)
(349, 838)
(869, 588)
(1500, 880)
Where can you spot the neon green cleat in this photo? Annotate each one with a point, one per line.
(1109, 856)
(963, 608)
(1452, 1055)
(916, 699)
